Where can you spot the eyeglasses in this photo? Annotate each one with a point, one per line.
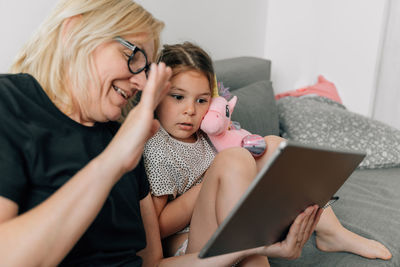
(137, 61)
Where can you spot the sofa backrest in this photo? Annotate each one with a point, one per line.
(241, 71)
(249, 79)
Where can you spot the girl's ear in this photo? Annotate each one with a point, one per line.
(232, 103)
(68, 25)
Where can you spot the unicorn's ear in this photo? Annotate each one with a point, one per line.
(232, 103)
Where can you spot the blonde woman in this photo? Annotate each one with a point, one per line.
(73, 191)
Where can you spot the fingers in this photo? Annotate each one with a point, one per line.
(294, 237)
(157, 85)
(289, 248)
(300, 231)
(298, 226)
(307, 227)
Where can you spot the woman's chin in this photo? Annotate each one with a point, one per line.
(114, 116)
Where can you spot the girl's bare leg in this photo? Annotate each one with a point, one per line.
(331, 236)
(172, 243)
(224, 183)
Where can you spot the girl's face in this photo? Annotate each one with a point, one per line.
(116, 84)
(183, 109)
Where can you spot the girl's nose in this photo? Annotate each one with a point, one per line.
(190, 109)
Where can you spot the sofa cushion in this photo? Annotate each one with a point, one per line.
(321, 121)
(369, 206)
(256, 109)
(241, 71)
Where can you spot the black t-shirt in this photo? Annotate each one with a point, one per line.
(41, 149)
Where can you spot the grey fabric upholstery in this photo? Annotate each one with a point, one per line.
(369, 201)
(369, 205)
(321, 121)
(256, 101)
(248, 78)
(241, 71)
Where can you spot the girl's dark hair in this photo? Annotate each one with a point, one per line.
(187, 56)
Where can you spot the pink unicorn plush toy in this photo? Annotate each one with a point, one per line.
(224, 133)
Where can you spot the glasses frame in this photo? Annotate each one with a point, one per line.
(134, 50)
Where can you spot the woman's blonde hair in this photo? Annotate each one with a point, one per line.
(50, 58)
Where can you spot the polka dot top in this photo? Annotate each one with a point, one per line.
(172, 166)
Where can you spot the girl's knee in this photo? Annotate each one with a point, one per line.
(235, 157)
(236, 162)
(273, 140)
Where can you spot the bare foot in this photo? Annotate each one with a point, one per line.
(345, 240)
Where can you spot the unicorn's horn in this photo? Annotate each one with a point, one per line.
(215, 89)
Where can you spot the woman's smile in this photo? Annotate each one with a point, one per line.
(120, 92)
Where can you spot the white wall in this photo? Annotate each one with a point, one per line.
(387, 108)
(339, 39)
(18, 20)
(225, 28)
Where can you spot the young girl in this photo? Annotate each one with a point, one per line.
(191, 184)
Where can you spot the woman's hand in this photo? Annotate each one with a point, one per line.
(127, 146)
(299, 232)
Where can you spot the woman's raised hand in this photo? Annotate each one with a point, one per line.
(127, 146)
(156, 88)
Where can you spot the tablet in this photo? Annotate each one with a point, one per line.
(295, 177)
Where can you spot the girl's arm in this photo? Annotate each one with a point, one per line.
(153, 252)
(175, 215)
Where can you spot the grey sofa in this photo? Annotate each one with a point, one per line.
(369, 201)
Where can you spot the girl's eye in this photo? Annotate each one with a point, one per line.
(202, 100)
(177, 97)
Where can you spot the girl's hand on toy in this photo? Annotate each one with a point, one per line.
(255, 144)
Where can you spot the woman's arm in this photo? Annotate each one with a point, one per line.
(44, 235)
(175, 215)
(8, 209)
(33, 238)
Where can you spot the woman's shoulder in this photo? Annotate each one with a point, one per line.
(15, 86)
(23, 99)
(16, 80)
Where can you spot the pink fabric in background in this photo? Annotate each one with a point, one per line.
(323, 88)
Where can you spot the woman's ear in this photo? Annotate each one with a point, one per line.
(68, 25)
